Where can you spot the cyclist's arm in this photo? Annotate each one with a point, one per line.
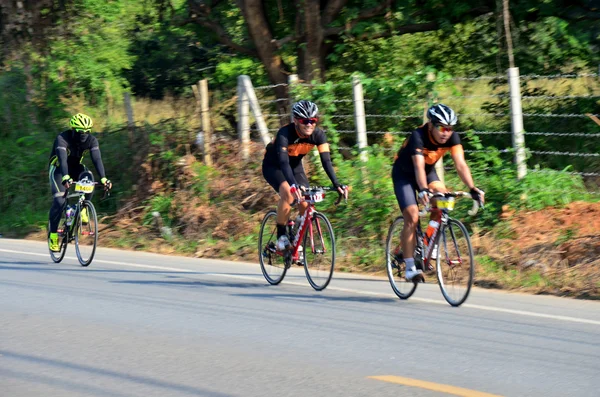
(419, 163)
(281, 148)
(463, 170)
(61, 153)
(97, 158)
(327, 164)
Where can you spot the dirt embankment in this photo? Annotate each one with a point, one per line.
(555, 251)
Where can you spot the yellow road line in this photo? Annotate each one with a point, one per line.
(457, 391)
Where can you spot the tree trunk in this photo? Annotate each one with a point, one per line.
(313, 65)
(260, 32)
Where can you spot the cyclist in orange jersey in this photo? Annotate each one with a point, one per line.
(414, 171)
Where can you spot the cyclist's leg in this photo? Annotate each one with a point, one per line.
(58, 201)
(405, 188)
(435, 185)
(302, 180)
(274, 176)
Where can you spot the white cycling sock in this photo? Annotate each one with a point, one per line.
(410, 263)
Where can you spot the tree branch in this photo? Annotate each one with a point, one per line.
(412, 28)
(200, 15)
(222, 35)
(332, 9)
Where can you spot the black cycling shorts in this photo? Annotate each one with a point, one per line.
(275, 178)
(405, 187)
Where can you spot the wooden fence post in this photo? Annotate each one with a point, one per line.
(516, 115)
(359, 117)
(243, 106)
(292, 79)
(130, 119)
(206, 126)
(260, 121)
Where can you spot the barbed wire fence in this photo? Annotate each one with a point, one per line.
(558, 112)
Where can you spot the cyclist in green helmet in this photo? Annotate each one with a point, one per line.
(66, 166)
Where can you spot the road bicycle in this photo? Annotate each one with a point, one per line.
(449, 247)
(312, 239)
(71, 226)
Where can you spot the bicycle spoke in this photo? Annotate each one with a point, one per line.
(395, 265)
(86, 233)
(319, 252)
(272, 263)
(63, 239)
(455, 264)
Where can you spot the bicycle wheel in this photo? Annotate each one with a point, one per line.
(272, 264)
(319, 252)
(86, 233)
(63, 239)
(455, 264)
(394, 259)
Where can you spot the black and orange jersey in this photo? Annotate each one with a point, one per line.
(288, 140)
(420, 142)
(288, 149)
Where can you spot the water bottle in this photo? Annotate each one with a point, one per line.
(291, 230)
(297, 223)
(70, 215)
(433, 225)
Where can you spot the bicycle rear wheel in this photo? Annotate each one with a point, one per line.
(272, 264)
(319, 252)
(63, 239)
(394, 259)
(86, 234)
(455, 263)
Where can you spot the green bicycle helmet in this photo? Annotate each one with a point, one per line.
(81, 121)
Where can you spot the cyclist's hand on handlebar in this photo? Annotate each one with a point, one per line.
(478, 195)
(343, 191)
(424, 196)
(67, 181)
(107, 183)
(296, 192)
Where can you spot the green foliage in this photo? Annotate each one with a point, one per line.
(163, 204)
(371, 197)
(89, 50)
(204, 176)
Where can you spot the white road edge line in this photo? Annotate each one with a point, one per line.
(254, 278)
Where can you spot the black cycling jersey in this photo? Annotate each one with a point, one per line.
(420, 142)
(68, 152)
(288, 140)
(288, 149)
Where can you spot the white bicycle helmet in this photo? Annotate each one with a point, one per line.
(442, 114)
(304, 110)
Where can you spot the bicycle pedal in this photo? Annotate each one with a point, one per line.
(419, 278)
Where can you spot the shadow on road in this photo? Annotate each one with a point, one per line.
(191, 283)
(117, 377)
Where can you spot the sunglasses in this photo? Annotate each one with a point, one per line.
(83, 130)
(443, 128)
(312, 120)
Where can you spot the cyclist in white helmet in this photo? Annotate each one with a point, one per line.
(414, 170)
(282, 164)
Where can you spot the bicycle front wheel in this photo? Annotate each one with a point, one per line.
(455, 263)
(394, 259)
(63, 239)
(86, 233)
(319, 252)
(272, 264)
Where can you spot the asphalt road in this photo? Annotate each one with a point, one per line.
(139, 324)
